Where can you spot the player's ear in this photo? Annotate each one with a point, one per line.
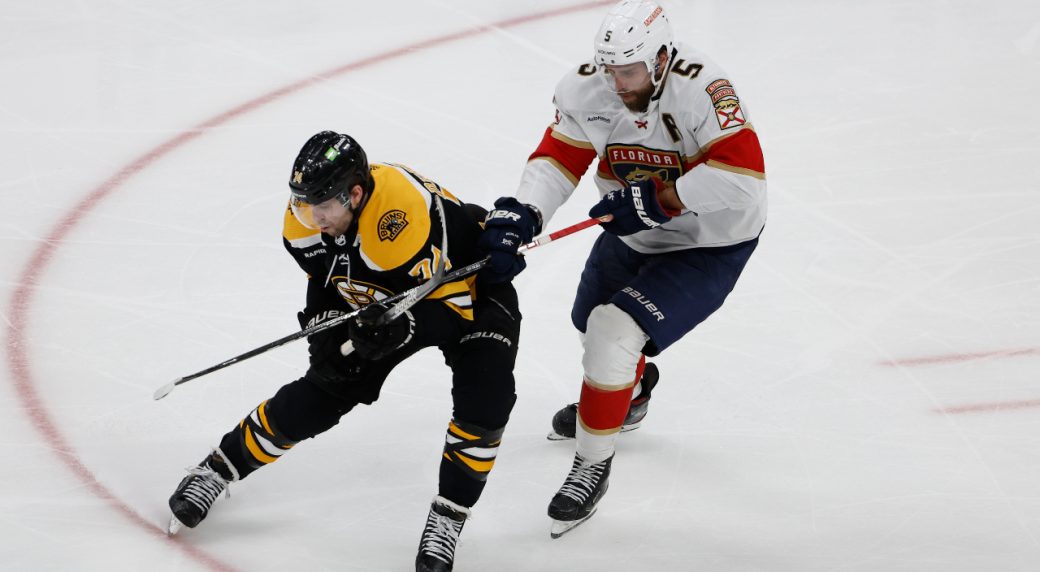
(357, 194)
(662, 60)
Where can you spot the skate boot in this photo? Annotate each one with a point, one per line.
(437, 545)
(576, 500)
(566, 419)
(198, 491)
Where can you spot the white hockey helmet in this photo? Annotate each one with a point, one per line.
(633, 31)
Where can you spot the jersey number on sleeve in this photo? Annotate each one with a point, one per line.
(691, 70)
(423, 269)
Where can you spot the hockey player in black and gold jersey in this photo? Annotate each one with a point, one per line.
(363, 233)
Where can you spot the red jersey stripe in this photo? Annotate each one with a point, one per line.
(565, 153)
(740, 153)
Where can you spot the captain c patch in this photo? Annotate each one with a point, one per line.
(391, 224)
(726, 102)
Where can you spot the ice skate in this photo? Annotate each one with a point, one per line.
(576, 500)
(439, 537)
(197, 492)
(566, 419)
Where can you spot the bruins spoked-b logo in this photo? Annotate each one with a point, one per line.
(391, 224)
(359, 294)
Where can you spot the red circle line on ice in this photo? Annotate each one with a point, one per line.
(29, 278)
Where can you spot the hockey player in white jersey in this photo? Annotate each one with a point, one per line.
(680, 170)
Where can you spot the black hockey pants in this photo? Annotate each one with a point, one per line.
(481, 355)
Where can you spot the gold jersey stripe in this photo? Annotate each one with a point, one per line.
(572, 142)
(737, 170)
(709, 144)
(448, 290)
(559, 167)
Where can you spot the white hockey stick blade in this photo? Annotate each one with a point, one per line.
(561, 527)
(174, 527)
(165, 390)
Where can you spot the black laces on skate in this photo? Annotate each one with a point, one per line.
(582, 479)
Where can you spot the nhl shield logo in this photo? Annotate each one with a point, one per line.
(391, 224)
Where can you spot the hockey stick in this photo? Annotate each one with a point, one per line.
(348, 346)
(412, 294)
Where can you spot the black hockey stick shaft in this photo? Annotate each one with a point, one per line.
(413, 293)
(451, 276)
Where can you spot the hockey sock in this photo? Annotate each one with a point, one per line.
(469, 454)
(601, 413)
(255, 442)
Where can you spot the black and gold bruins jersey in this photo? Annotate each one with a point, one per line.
(394, 245)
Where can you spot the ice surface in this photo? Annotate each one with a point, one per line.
(867, 399)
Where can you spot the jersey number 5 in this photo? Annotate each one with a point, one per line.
(690, 70)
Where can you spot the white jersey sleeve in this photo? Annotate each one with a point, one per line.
(556, 166)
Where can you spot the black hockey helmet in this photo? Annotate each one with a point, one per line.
(329, 165)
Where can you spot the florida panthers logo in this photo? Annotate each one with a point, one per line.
(391, 224)
(636, 164)
(359, 294)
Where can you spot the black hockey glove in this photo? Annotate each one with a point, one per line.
(373, 340)
(507, 227)
(635, 208)
(326, 360)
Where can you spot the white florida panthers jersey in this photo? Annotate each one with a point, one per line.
(696, 135)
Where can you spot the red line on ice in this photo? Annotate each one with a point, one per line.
(990, 407)
(21, 302)
(957, 358)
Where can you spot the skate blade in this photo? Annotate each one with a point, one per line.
(174, 527)
(561, 527)
(632, 427)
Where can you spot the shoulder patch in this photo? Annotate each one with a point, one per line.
(391, 224)
(395, 224)
(726, 102)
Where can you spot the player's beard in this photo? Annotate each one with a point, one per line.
(639, 99)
